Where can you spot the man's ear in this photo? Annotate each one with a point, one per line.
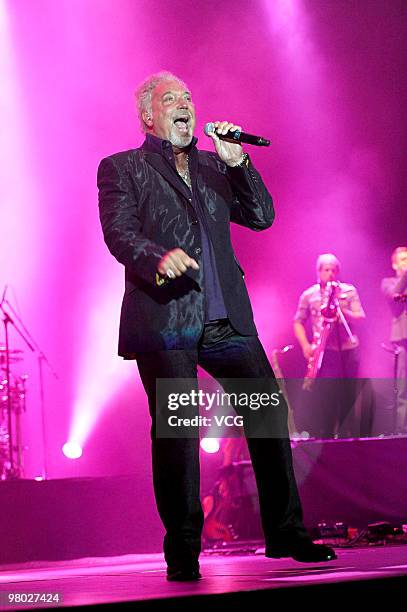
(146, 116)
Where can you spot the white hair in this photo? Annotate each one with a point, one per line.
(328, 258)
(144, 92)
(396, 252)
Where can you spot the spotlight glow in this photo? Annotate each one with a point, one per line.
(72, 450)
(16, 237)
(100, 371)
(210, 445)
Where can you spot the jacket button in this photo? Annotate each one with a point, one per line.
(194, 221)
(198, 251)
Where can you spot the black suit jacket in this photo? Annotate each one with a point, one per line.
(390, 287)
(145, 211)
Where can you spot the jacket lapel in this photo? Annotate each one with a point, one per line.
(168, 173)
(193, 167)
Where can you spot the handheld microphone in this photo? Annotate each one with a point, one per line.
(238, 136)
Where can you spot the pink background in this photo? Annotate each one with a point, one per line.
(325, 81)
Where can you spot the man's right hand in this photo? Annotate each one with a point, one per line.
(307, 350)
(175, 263)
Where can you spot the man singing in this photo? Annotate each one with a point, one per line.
(165, 210)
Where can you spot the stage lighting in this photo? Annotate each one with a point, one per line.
(72, 450)
(210, 445)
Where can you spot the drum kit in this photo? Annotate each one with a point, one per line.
(13, 393)
(12, 406)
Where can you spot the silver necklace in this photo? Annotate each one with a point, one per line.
(186, 177)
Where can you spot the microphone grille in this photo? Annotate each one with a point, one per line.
(209, 128)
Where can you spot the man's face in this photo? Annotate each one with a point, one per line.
(173, 114)
(400, 265)
(328, 272)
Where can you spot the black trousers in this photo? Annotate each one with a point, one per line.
(224, 354)
(401, 424)
(336, 405)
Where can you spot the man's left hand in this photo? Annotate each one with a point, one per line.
(230, 153)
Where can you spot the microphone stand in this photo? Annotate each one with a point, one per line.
(279, 375)
(33, 346)
(341, 316)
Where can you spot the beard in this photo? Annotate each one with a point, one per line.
(180, 140)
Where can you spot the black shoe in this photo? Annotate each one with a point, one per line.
(183, 575)
(305, 551)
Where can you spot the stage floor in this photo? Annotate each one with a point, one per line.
(139, 580)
